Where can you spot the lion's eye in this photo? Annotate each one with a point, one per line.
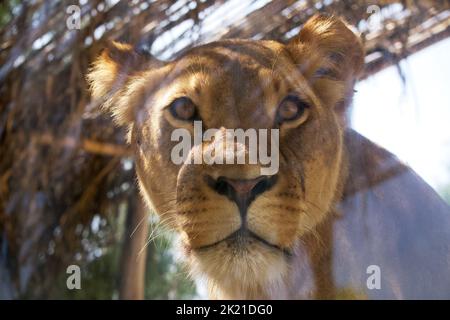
(183, 109)
(291, 108)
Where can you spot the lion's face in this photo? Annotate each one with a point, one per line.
(239, 84)
(238, 226)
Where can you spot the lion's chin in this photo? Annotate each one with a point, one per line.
(250, 270)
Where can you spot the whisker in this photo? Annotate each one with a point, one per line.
(137, 226)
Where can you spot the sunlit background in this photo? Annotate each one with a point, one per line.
(409, 113)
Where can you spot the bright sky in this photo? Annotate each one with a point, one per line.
(411, 120)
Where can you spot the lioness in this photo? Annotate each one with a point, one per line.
(341, 218)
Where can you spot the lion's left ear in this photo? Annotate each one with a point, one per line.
(330, 56)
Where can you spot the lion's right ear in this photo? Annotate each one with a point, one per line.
(331, 58)
(113, 78)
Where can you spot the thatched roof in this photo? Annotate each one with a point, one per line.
(389, 27)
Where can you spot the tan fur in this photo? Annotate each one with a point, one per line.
(239, 84)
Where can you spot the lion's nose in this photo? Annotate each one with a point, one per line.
(241, 191)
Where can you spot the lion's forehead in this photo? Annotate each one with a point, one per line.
(247, 61)
(245, 51)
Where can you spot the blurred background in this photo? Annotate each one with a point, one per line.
(68, 192)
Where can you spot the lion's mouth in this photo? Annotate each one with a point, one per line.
(241, 237)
